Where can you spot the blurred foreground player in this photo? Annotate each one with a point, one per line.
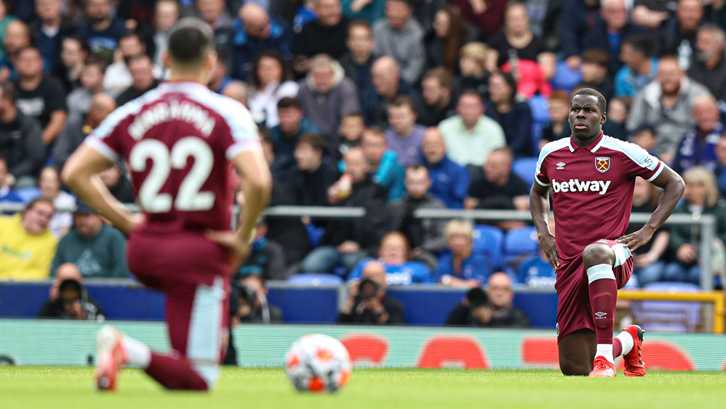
(179, 140)
(592, 177)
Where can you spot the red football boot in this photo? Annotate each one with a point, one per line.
(602, 368)
(111, 357)
(633, 360)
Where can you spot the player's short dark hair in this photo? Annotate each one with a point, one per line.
(314, 140)
(288, 102)
(640, 44)
(596, 56)
(601, 103)
(441, 74)
(190, 40)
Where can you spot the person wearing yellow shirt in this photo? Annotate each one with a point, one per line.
(26, 245)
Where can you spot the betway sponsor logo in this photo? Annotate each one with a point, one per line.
(577, 185)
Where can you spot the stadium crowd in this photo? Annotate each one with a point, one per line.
(388, 105)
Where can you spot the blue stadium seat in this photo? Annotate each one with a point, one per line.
(28, 193)
(488, 240)
(668, 316)
(540, 118)
(315, 279)
(524, 168)
(521, 241)
(565, 78)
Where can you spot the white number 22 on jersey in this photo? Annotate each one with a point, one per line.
(189, 198)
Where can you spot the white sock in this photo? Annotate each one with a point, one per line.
(626, 340)
(137, 352)
(606, 351)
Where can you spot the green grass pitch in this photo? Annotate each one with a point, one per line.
(60, 387)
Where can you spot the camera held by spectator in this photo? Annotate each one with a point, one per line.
(69, 298)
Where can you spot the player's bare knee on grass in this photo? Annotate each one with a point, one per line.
(597, 253)
(570, 367)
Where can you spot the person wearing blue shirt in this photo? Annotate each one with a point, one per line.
(385, 169)
(394, 254)
(536, 271)
(698, 146)
(639, 68)
(461, 266)
(449, 180)
(253, 32)
(101, 30)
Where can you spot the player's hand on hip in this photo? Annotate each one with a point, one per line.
(131, 223)
(549, 247)
(636, 239)
(238, 249)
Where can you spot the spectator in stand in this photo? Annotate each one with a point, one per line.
(118, 183)
(594, 70)
(142, 79)
(461, 266)
(165, 15)
(720, 171)
(311, 178)
(369, 11)
(118, 75)
(20, 139)
(271, 80)
(49, 29)
(98, 250)
(698, 146)
(324, 35)
(470, 135)
(536, 271)
(473, 73)
(644, 136)
(358, 60)
(512, 113)
(701, 197)
(73, 55)
(558, 107)
(610, 30)
(218, 79)
(367, 300)
(401, 37)
(709, 67)
(79, 100)
(79, 126)
(618, 109)
(438, 101)
(100, 29)
(17, 36)
(69, 299)
(215, 14)
(678, 34)
(7, 195)
(426, 236)
(285, 135)
(253, 305)
(444, 42)
(255, 31)
(404, 136)
(28, 246)
(667, 105)
(516, 42)
(325, 96)
(473, 310)
(650, 14)
(395, 254)
(577, 19)
(238, 91)
(385, 167)
(350, 134)
(499, 188)
(39, 97)
(345, 242)
(648, 265)
(501, 296)
(5, 19)
(50, 187)
(387, 85)
(639, 67)
(449, 180)
(267, 258)
(488, 16)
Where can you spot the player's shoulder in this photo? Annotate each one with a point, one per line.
(552, 147)
(629, 149)
(229, 109)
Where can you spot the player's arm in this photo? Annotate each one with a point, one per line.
(80, 175)
(673, 187)
(539, 207)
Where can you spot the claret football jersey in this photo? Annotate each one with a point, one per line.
(178, 139)
(592, 188)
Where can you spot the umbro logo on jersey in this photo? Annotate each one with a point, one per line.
(601, 315)
(577, 185)
(561, 166)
